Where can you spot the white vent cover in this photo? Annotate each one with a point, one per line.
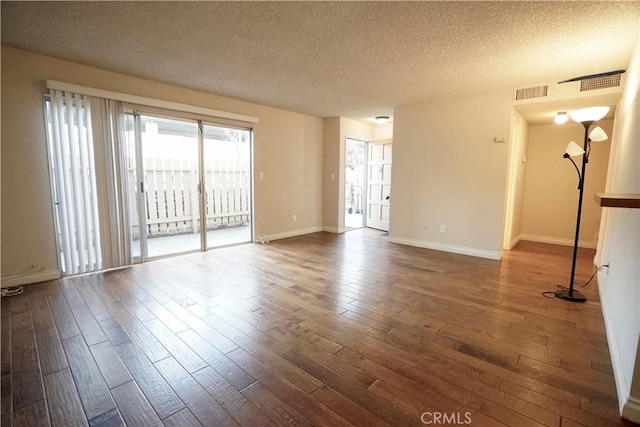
(532, 92)
(600, 83)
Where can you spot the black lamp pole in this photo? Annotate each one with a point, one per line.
(571, 294)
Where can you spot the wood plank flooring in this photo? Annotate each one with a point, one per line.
(322, 329)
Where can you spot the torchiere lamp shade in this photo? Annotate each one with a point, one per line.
(597, 134)
(590, 114)
(574, 149)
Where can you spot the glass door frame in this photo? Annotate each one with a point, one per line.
(141, 190)
(137, 112)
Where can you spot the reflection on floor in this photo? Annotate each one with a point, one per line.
(353, 220)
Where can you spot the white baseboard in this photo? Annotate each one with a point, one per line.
(447, 248)
(292, 233)
(631, 410)
(622, 388)
(558, 241)
(331, 229)
(514, 242)
(27, 279)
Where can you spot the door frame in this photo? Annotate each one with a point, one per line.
(365, 182)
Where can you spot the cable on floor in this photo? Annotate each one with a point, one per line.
(10, 291)
(552, 294)
(594, 274)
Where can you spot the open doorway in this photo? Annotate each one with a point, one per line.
(541, 194)
(355, 184)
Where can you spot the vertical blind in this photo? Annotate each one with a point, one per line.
(85, 136)
(109, 130)
(74, 176)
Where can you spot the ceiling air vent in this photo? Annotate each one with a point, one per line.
(532, 92)
(600, 83)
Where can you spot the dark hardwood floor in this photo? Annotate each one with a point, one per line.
(323, 329)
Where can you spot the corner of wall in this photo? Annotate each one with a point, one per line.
(619, 246)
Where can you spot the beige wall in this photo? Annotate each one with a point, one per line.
(452, 173)
(331, 169)
(288, 149)
(551, 195)
(336, 132)
(619, 247)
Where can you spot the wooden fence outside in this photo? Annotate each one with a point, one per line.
(171, 198)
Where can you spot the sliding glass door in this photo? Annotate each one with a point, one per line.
(171, 202)
(227, 175)
(189, 173)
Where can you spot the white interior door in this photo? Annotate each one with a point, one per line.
(378, 185)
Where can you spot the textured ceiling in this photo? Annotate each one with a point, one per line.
(353, 59)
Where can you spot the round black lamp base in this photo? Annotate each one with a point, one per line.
(574, 296)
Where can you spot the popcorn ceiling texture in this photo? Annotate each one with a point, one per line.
(352, 59)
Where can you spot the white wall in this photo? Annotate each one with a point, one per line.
(383, 132)
(619, 246)
(288, 150)
(551, 185)
(452, 173)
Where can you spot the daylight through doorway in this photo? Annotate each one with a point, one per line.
(355, 184)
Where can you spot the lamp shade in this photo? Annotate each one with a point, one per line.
(597, 134)
(574, 149)
(590, 114)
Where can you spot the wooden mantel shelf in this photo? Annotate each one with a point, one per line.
(611, 200)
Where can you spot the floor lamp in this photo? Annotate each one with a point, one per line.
(588, 117)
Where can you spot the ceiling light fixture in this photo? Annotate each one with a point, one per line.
(382, 120)
(561, 118)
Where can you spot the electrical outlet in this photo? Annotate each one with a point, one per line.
(261, 176)
(443, 229)
(295, 217)
(424, 226)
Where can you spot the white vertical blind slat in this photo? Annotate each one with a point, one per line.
(93, 213)
(57, 126)
(67, 175)
(85, 186)
(78, 196)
